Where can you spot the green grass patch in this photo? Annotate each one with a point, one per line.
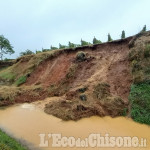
(21, 80)
(7, 75)
(140, 102)
(8, 143)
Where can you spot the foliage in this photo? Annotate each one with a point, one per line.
(21, 80)
(5, 47)
(27, 52)
(140, 101)
(7, 75)
(144, 29)
(81, 56)
(62, 46)
(84, 43)
(123, 35)
(95, 41)
(71, 45)
(45, 50)
(8, 143)
(53, 48)
(109, 38)
(124, 112)
(38, 52)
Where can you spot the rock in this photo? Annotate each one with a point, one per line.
(83, 97)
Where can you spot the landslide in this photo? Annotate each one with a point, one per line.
(84, 81)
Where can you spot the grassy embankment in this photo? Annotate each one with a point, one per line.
(140, 90)
(8, 143)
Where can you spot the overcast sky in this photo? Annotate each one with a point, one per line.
(37, 24)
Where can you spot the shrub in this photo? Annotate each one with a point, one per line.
(109, 38)
(27, 52)
(81, 56)
(144, 29)
(21, 80)
(62, 46)
(95, 41)
(123, 34)
(140, 102)
(84, 43)
(71, 45)
(53, 48)
(38, 52)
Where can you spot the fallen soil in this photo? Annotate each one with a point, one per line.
(86, 81)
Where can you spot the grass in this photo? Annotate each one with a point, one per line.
(8, 143)
(11, 92)
(7, 75)
(140, 101)
(140, 90)
(21, 80)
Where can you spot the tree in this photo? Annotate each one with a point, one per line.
(95, 41)
(109, 38)
(123, 34)
(71, 45)
(5, 47)
(53, 48)
(84, 43)
(27, 52)
(62, 46)
(144, 29)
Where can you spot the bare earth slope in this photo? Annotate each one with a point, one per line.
(90, 80)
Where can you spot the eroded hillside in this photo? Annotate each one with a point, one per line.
(90, 80)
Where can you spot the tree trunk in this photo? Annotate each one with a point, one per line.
(1, 54)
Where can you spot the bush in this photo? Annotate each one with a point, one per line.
(140, 102)
(123, 34)
(109, 38)
(95, 41)
(53, 48)
(27, 52)
(144, 29)
(62, 46)
(84, 43)
(71, 45)
(81, 56)
(21, 80)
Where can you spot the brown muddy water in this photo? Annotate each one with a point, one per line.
(26, 121)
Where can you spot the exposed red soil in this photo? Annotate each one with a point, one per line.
(51, 71)
(105, 63)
